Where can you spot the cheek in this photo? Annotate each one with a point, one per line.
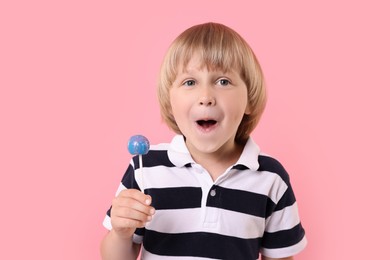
(173, 101)
(241, 105)
(175, 106)
(180, 101)
(178, 105)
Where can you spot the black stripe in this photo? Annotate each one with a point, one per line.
(154, 158)
(286, 200)
(240, 167)
(109, 212)
(176, 198)
(241, 201)
(140, 231)
(201, 244)
(283, 238)
(128, 179)
(272, 165)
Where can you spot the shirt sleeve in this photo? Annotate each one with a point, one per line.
(284, 235)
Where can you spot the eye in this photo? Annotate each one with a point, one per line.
(189, 83)
(223, 82)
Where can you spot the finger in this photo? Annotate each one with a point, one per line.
(130, 213)
(133, 210)
(126, 223)
(129, 196)
(132, 204)
(137, 195)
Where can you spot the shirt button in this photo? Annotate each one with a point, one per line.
(213, 193)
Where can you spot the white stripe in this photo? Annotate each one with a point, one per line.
(137, 239)
(241, 225)
(285, 251)
(159, 147)
(266, 183)
(120, 188)
(166, 177)
(284, 219)
(107, 222)
(226, 222)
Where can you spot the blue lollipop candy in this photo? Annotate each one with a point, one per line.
(139, 145)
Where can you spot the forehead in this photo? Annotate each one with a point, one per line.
(202, 60)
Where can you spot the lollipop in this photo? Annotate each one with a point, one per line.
(139, 145)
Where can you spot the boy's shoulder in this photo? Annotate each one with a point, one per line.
(268, 163)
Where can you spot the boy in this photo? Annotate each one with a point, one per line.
(210, 193)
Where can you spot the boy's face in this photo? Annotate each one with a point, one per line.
(208, 107)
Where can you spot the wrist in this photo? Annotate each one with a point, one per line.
(124, 236)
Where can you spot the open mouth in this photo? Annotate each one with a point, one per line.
(206, 124)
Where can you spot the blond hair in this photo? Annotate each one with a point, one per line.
(219, 47)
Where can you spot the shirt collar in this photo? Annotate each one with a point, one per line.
(180, 156)
(250, 155)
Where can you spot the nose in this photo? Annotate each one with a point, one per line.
(206, 95)
(207, 101)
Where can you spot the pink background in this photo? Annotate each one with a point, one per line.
(78, 79)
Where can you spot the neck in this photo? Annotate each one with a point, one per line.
(217, 162)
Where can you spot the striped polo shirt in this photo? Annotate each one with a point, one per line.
(249, 209)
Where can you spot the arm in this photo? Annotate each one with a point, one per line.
(286, 258)
(130, 210)
(114, 247)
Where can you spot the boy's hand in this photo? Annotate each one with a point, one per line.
(130, 210)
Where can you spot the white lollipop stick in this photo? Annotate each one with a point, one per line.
(141, 172)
